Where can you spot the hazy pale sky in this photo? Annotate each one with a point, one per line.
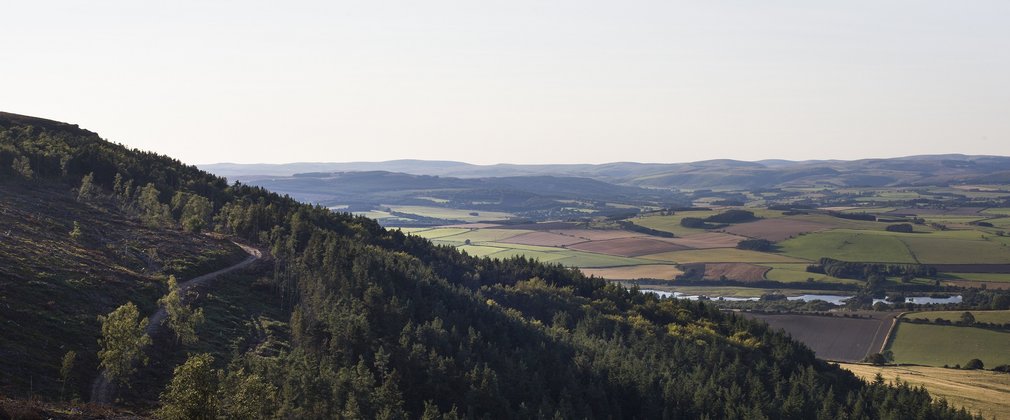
(516, 81)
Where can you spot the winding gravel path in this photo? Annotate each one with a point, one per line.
(103, 389)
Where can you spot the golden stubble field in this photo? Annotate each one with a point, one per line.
(978, 391)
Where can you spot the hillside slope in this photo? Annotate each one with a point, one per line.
(382, 325)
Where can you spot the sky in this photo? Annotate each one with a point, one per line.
(516, 81)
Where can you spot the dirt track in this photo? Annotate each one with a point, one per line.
(103, 389)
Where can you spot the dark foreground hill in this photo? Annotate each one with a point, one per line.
(368, 323)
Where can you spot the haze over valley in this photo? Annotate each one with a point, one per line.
(452, 210)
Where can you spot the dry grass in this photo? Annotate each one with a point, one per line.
(735, 271)
(651, 271)
(982, 392)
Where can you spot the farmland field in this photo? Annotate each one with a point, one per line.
(721, 255)
(707, 240)
(543, 239)
(735, 271)
(987, 277)
(848, 246)
(794, 273)
(832, 337)
(438, 232)
(628, 247)
(483, 235)
(937, 250)
(596, 234)
(840, 223)
(997, 317)
(987, 393)
(651, 271)
(776, 229)
(590, 260)
(938, 345)
(452, 214)
(672, 223)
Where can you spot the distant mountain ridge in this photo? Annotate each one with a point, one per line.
(514, 193)
(719, 173)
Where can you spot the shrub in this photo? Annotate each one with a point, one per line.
(732, 216)
(974, 364)
(755, 245)
(901, 227)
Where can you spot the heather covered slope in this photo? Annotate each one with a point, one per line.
(384, 325)
(54, 285)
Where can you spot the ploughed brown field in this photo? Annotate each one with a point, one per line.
(776, 229)
(628, 247)
(707, 240)
(544, 239)
(597, 235)
(735, 271)
(834, 337)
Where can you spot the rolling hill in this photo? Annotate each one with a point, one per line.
(354, 321)
(722, 173)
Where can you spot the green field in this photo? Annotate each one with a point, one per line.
(439, 232)
(848, 246)
(452, 214)
(1001, 223)
(939, 250)
(938, 345)
(797, 273)
(996, 317)
(1000, 277)
(479, 250)
(764, 213)
(484, 235)
(381, 215)
(841, 223)
(672, 223)
(567, 257)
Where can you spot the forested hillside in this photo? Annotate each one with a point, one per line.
(383, 325)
